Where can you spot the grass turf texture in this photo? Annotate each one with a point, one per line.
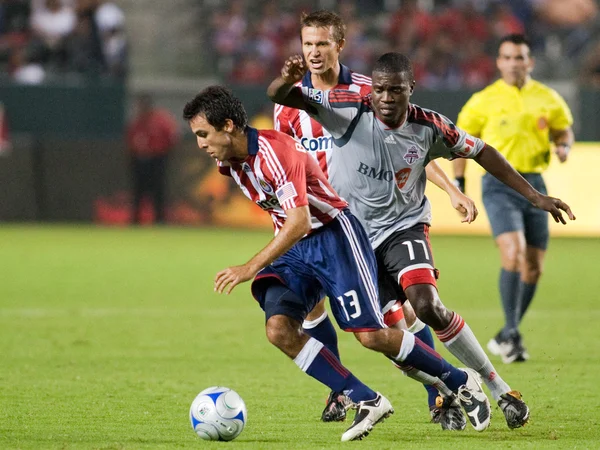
(107, 335)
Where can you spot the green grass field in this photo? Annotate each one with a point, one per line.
(107, 335)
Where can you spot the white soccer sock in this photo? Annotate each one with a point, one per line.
(308, 354)
(462, 343)
(308, 324)
(408, 343)
(417, 326)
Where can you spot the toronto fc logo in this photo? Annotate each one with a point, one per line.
(412, 155)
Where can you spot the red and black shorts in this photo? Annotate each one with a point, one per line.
(405, 259)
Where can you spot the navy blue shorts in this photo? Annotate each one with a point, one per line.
(509, 211)
(337, 260)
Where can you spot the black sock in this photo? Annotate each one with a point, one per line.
(525, 296)
(509, 293)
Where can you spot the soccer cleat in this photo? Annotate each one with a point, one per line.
(493, 346)
(474, 401)
(513, 353)
(337, 405)
(498, 344)
(368, 414)
(515, 410)
(511, 350)
(448, 414)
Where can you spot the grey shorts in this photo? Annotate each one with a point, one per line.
(509, 211)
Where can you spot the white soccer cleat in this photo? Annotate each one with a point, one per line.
(368, 414)
(474, 401)
(510, 350)
(493, 347)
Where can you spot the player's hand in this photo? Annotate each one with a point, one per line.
(554, 207)
(562, 152)
(229, 278)
(293, 69)
(465, 206)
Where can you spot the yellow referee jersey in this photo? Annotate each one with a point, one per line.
(517, 121)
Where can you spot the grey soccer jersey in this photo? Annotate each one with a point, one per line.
(380, 171)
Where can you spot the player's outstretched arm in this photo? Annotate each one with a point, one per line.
(282, 89)
(497, 165)
(462, 203)
(295, 227)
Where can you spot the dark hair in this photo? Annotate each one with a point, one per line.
(325, 19)
(393, 63)
(218, 104)
(515, 39)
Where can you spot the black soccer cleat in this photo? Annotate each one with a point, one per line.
(337, 405)
(515, 410)
(510, 348)
(448, 414)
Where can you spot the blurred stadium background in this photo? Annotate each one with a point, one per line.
(107, 332)
(71, 68)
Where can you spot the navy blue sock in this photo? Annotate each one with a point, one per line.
(327, 369)
(429, 361)
(325, 333)
(425, 336)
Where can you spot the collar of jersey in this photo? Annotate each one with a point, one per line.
(384, 127)
(526, 86)
(344, 78)
(252, 136)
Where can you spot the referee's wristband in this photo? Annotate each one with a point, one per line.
(459, 182)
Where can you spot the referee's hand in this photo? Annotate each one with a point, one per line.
(562, 152)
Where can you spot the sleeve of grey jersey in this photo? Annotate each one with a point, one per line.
(452, 142)
(335, 119)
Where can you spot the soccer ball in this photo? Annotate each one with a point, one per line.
(218, 414)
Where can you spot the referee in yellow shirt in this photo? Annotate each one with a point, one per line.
(520, 117)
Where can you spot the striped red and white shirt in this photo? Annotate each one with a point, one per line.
(279, 175)
(310, 133)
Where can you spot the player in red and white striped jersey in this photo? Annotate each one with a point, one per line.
(277, 179)
(300, 266)
(322, 34)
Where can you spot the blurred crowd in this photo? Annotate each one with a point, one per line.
(452, 43)
(45, 39)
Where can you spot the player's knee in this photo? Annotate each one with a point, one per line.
(428, 307)
(409, 314)
(368, 339)
(512, 260)
(532, 274)
(280, 331)
(512, 254)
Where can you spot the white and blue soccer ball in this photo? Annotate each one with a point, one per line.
(218, 414)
